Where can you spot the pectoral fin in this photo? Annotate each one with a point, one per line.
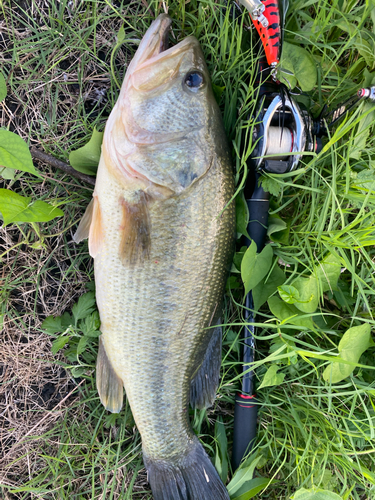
(83, 228)
(108, 383)
(96, 229)
(204, 384)
(91, 227)
(135, 243)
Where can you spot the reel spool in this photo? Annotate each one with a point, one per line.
(283, 131)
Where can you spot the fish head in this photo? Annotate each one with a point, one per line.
(158, 69)
(164, 121)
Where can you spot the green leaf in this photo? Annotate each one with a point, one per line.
(242, 475)
(221, 458)
(7, 173)
(121, 35)
(369, 78)
(254, 267)
(248, 263)
(270, 185)
(85, 306)
(288, 293)
(233, 283)
(363, 131)
(290, 348)
(238, 256)
(242, 215)
(285, 73)
(298, 60)
(17, 208)
(91, 324)
(78, 371)
(272, 377)
(328, 273)
(3, 87)
(279, 232)
(315, 494)
(365, 180)
(59, 324)
(308, 294)
(353, 344)
(252, 487)
(275, 224)
(86, 159)
(268, 286)
(14, 152)
(82, 345)
(365, 49)
(218, 91)
(59, 343)
(52, 325)
(288, 313)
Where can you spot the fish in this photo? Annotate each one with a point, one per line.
(161, 229)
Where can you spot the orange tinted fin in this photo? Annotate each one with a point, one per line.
(83, 228)
(135, 243)
(96, 229)
(108, 383)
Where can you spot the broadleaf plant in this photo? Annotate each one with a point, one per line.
(17, 209)
(14, 153)
(86, 159)
(353, 344)
(77, 332)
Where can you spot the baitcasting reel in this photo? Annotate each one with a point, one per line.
(284, 130)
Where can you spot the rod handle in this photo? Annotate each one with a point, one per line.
(258, 221)
(245, 427)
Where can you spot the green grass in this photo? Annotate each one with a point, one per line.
(62, 64)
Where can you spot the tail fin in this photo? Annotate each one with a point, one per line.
(192, 477)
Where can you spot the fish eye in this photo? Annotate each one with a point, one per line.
(194, 80)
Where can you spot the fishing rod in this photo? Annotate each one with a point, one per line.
(285, 130)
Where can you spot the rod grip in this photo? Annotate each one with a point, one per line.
(258, 221)
(245, 427)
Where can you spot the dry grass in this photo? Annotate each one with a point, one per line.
(35, 390)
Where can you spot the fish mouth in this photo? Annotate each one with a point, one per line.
(164, 30)
(156, 40)
(154, 46)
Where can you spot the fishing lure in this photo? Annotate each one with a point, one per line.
(268, 17)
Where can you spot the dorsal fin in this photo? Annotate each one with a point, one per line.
(135, 243)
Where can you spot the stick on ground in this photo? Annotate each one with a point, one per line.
(54, 162)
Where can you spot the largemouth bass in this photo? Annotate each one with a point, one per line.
(161, 231)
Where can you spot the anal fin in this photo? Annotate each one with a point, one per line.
(108, 383)
(135, 243)
(204, 384)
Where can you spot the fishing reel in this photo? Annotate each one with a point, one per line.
(284, 130)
